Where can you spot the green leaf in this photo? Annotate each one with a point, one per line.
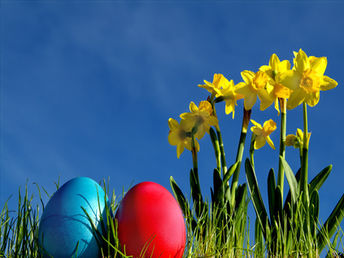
(278, 212)
(241, 194)
(256, 197)
(228, 194)
(331, 224)
(319, 179)
(216, 145)
(183, 203)
(212, 195)
(271, 193)
(288, 198)
(293, 185)
(218, 188)
(196, 192)
(230, 172)
(314, 210)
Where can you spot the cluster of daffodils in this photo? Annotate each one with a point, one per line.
(276, 83)
(192, 125)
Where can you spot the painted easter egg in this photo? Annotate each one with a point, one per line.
(64, 229)
(150, 222)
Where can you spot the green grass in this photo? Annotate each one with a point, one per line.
(19, 232)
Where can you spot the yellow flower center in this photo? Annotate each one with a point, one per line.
(259, 81)
(310, 81)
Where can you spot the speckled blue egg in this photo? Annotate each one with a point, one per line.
(64, 229)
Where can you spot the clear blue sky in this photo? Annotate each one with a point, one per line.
(87, 87)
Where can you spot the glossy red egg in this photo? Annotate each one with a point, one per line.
(150, 222)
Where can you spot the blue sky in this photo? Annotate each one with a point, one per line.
(87, 87)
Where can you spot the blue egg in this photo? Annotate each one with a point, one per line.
(64, 229)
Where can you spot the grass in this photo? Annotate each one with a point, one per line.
(19, 233)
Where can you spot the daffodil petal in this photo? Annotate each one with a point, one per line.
(290, 79)
(318, 64)
(193, 107)
(265, 99)
(259, 142)
(173, 124)
(284, 66)
(200, 132)
(180, 149)
(274, 61)
(247, 76)
(229, 107)
(256, 124)
(197, 145)
(188, 121)
(270, 142)
(301, 61)
(277, 106)
(296, 98)
(256, 130)
(242, 89)
(173, 138)
(328, 83)
(313, 98)
(213, 121)
(265, 68)
(249, 100)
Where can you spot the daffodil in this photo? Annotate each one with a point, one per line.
(180, 136)
(275, 88)
(214, 87)
(254, 85)
(306, 79)
(296, 140)
(263, 133)
(230, 96)
(200, 118)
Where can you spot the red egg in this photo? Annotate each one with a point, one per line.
(151, 221)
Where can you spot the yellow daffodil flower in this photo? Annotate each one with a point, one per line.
(275, 88)
(296, 140)
(178, 136)
(230, 96)
(219, 81)
(263, 133)
(306, 79)
(201, 118)
(254, 85)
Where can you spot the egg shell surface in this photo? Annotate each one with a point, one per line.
(150, 217)
(64, 224)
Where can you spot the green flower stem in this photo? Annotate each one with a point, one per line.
(280, 177)
(253, 139)
(245, 122)
(219, 137)
(194, 153)
(216, 146)
(304, 164)
(222, 151)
